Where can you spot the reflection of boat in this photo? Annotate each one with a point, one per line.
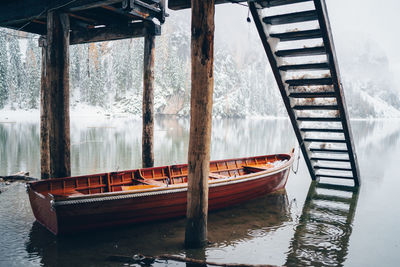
(229, 226)
(109, 199)
(256, 218)
(323, 233)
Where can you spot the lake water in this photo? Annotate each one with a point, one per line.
(287, 228)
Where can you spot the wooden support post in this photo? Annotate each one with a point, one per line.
(44, 116)
(202, 44)
(57, 86)
(148, 102)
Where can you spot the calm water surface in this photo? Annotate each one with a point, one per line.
(296, 227)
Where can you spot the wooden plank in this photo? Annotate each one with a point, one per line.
(320, 119)
(12, 12)
(297, 35)
(312, 94)
(135, 30)
(315, 107)
(332, 168)
(148, 102)
(310, 66)
(273, 3)
(325, 140)
(335, 199)
(202, 53)
(33, 27)
(334, 176)
(291, 17)
(57, 82)
(329, 159)
(183, 4)
(323, 130)
(311, 81)
(297, 52)
(336, 187)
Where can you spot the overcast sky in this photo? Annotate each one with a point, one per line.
(375, 20)
(379, 20)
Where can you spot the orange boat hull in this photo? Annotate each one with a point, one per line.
(93, 211)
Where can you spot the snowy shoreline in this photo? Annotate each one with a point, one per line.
(94, 114)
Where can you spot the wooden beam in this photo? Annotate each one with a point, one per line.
(202, 52)
(148, 102)
(183, 4)
(44, 116)
(57, 85)
(31, 28)
(13, 12)
(134, 30)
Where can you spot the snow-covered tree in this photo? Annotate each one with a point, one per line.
(32, 79)
(15, 74)
(3, 70)
(96, 92)
(122, 70)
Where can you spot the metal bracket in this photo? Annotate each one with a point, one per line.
(42, 41)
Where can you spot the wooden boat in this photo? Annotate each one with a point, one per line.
(67, 205)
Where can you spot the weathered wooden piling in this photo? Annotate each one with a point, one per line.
(202, 52)
(148, 101)
(55, 123)
(44, 116)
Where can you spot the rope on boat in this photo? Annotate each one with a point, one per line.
(298, 160)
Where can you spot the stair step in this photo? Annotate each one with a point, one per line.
(334, 176)
(147, 5)
(291, 17)
(312, 94)
(272, 3)
(332, 198)
(321, 167)
(325, 150)
(151, 2)
(310, 66)
(329, 210)
(330, 159)
(324, 140)
(297, 52)
(313, 81)
(321, 130)
(336, 187)
(319, 221)
(297, 35)
(319, 119)
(315, 107)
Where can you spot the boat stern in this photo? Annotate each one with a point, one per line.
(42, 208)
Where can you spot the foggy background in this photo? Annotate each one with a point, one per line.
(106, 77)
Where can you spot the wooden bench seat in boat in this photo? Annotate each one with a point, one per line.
(214, 175)
(151, 182)
(137, 187)
(249, 168)
(61, 193)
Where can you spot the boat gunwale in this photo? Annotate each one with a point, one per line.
(98, 197)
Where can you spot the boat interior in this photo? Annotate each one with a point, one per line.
(140, 179)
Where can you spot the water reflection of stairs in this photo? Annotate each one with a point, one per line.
(300, 49)
(322, 235)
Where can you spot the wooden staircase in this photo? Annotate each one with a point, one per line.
(297, 39)
(322, 235)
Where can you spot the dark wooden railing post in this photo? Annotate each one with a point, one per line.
(148, 101)
(44, 115)
(55, 90)
(202, 44)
